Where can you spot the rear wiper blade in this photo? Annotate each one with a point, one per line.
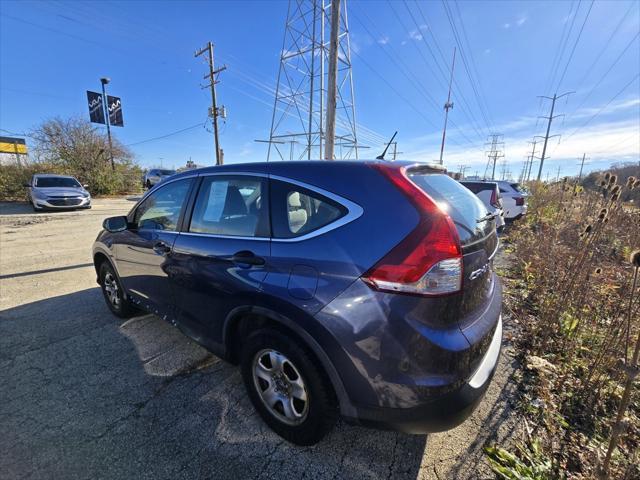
(488, 216)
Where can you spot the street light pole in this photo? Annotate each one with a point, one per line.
(104, 81)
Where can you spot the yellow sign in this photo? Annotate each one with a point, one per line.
(13, 145)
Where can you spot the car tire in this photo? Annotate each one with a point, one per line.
(292, 395)
(113, 292)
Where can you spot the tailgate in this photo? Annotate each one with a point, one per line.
(477, 232)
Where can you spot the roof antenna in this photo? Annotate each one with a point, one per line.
(381, 156)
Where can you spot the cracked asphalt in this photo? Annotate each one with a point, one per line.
(86, 395)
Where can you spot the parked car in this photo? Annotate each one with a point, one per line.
(373, 299)
(155, 176)
(56, 192)
(514, 200)
(489, 193)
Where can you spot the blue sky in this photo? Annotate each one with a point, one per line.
(52, 52)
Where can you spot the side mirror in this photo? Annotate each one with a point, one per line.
(115, 224)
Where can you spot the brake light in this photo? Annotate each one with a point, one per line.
(429, 260)
(519, 201)
(494, 199)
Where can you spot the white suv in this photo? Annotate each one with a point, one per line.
(514, 200)
(489, 193)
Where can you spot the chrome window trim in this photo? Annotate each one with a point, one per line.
(218, 235)
(354, 211)
(232, 173)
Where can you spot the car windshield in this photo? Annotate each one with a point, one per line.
(166, 172)
(53, 182)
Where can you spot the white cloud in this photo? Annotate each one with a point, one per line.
(517, 22)
(487, 51)
(415, 35)
(604, 141)
(383, 40)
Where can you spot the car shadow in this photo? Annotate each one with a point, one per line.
(16, 208)
(88, 395)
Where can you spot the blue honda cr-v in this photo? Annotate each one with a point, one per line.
(363, 289)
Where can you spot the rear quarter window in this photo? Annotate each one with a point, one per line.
(297, 211)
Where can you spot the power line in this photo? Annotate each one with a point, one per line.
(573, 50)
(606, 46)
(406, 71)
(443, 74)
(563, 45)
(606, 73)
(603, 108)
(201, 124)
(458, 90)
(473, 61)
(465, 63)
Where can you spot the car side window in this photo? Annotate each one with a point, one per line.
(231, 205)
(161, 209)
(297, 211)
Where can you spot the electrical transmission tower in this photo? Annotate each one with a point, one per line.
(495, 152)
(300, 109)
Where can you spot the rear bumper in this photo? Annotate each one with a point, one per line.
(444, 412)
(515, 213)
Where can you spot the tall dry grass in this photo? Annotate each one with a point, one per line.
(580, 310)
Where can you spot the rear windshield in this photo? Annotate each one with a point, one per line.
(464, 208)
(518, 188)
(477, 187)
(52, 182)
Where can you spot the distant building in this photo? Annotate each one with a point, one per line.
(13, 151)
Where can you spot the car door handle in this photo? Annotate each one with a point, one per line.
(161, 248)
(247, 258)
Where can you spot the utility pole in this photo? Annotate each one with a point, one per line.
(332, 81)
(447, 106)
(558, 176)
(575, 188)
(584, 155)
(211, 76)
(549, 120)
(395, 150)
(104, 81)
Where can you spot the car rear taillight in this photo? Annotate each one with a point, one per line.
(519, 201)
(494, 201)
(429, 260)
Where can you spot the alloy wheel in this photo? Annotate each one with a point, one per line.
(111, 289)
